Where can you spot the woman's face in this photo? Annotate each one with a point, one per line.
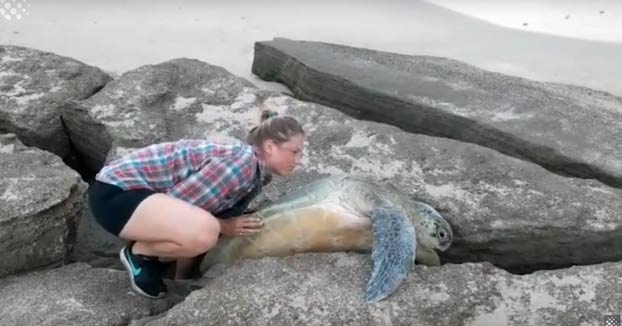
(281, 159)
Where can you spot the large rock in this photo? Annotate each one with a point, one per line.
(40, 203)
(567, 129)
(507, 211)
(153, 103)
(75, 295)
(94, 245)
(328, 289)
(33, 84)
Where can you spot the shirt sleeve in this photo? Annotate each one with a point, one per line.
(212, 184)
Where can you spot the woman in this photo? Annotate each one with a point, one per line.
(164, 198)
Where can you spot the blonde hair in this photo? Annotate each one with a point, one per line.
(273, 127)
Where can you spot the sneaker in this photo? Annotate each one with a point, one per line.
(145, 273)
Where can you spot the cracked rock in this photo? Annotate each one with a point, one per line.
(33, 84)
(75, 294)
(507, 211)
(40, 203)
(567, 129)
(328, 289)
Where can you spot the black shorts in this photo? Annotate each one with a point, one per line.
(112, 206)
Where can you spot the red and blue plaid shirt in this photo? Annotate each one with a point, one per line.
(210, 175)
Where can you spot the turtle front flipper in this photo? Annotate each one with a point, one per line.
(393, 252)
(427, 256)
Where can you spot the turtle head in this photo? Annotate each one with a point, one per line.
(433, 230)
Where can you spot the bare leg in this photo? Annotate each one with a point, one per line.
(184, 267)
(165, 226)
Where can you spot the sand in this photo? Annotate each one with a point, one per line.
(117, 36)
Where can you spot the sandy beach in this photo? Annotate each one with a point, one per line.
(117, 36)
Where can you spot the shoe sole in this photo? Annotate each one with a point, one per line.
(135, 287)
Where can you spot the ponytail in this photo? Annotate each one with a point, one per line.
(273, 127)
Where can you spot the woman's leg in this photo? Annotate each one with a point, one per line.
(184, 267)
(160, 228)
(164, 226)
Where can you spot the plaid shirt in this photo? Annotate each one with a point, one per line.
(209, 175)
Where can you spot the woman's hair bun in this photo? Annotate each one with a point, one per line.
(267, 114)
(278, 130)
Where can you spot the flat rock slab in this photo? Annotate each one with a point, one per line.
(567, 129)
(75, 294)
(40, 203)
(328, 289)
(513, 213)
(33, 84)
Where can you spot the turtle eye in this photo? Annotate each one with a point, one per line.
(442, 234)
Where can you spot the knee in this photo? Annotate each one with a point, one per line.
(205, 235)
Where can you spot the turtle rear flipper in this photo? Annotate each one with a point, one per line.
(393, 252)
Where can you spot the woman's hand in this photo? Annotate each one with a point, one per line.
(243, 225)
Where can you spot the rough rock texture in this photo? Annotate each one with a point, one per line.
(33, 84)
(75, 294)
(40, 203)
(571, 130)
(151, 104)
(94, 245)
(510, 212)
(507, 211)
(327, 289)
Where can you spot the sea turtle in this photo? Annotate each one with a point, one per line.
(346, 213)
